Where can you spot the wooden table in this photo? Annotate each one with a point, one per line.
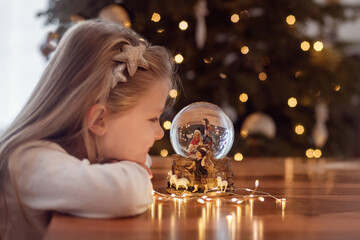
(322, 202)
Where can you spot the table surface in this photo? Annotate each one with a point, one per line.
(322, 202)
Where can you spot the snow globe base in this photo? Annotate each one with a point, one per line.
(184, 178)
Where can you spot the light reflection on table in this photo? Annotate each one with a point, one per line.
(322, 202)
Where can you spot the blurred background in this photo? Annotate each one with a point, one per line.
(287, 72)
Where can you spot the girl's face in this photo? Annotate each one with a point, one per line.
(131, 134)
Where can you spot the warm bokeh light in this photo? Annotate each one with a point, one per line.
(208, 60)
(317, 153)
(299, 74)
(313, 153)
(160, 30)
(262, 76)
(309, 153)
(305, 46)
(179, 58)
(291, 19)
(167, 125)
(244, 133)
(235, 18)
(245, 50)
(299, 129)
(318, 46)
(243, 97)
(155, 17)
(173, 93)
(164, 153)
(337, 88)
(223, 75)
(183, 25)
(292, 102)
(238, 157)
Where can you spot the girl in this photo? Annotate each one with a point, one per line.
(80, 144)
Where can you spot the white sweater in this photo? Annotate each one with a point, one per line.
(49, 179)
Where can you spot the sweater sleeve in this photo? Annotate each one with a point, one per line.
(50, 179)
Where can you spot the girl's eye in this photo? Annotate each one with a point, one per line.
(154, 120)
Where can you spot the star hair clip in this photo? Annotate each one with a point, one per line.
(130, 58)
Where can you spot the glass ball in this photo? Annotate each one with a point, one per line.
(202, 124)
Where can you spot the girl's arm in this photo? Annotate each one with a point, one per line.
(49, 179)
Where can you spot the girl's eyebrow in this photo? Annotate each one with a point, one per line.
(158, 110)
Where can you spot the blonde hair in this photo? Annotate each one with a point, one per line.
(77, 77)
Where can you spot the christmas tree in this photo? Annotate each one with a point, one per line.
(288, 92)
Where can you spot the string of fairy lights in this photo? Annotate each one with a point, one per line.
(231, 197)
(292, 102)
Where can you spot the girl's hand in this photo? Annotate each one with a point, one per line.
(147, 169)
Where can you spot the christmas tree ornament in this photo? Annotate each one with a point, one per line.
(230, 111)
(215, 128)
(201, 12)
(258, 123)
(244, 14)
(320, 132)
(76, 18)
(50, 44)
(116, 13)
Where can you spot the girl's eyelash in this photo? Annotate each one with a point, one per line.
(154, 119)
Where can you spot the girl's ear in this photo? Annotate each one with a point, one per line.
(95, 119)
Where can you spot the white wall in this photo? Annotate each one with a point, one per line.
(21, 63)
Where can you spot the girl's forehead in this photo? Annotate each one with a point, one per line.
(155, 98)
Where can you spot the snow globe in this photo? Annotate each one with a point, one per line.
(201, 135)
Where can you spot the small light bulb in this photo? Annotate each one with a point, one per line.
(305, 45)
(155, 17)
(243, 97)
(299, 129)
(238, 157)
(245, 50)
(235, 18)
(167, 125)
(179, 58)
(291, 19)
(262, 76)
(309, 153)
(317, 153)
(318, 46)
(292, 102)
(173, 93)
(183, 25)
(164, 153)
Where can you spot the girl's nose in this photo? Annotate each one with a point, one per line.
(159, 134)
